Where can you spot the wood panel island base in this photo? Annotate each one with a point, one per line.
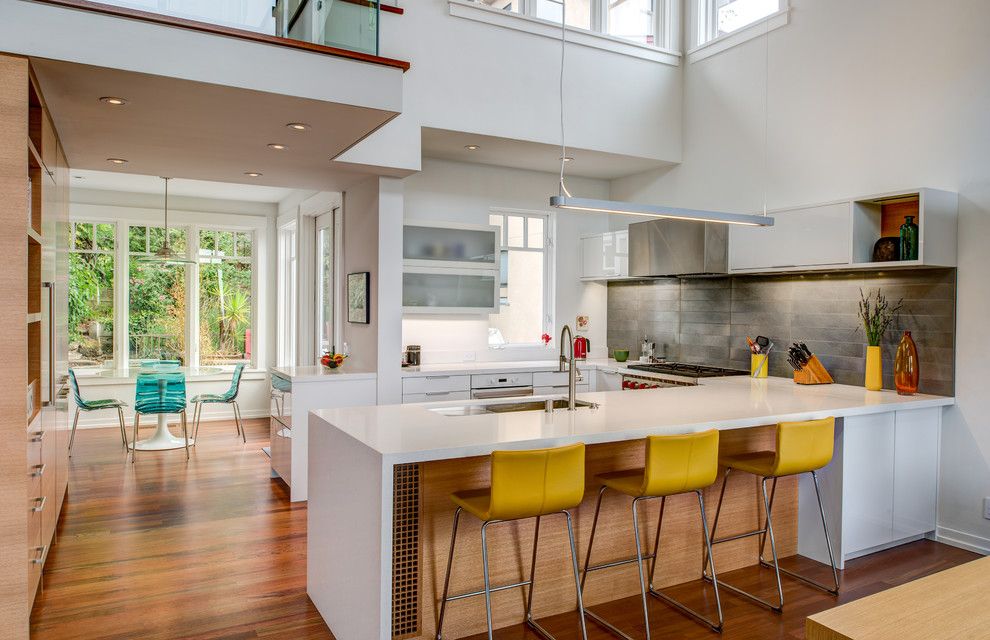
(380, 515)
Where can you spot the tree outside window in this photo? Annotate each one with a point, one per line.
(225, 282)
(91, 317)
(157, 309)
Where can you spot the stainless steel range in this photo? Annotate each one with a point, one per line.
(673, 374)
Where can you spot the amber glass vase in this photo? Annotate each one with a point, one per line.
(906, 369)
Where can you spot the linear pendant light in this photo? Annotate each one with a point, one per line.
(564, 199)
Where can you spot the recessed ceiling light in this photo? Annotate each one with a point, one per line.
(252, 174)
(567, 158)
(116, 161)
(79, 177)
(298, 126)
(113, 100)
(277, 147)
(472, 147)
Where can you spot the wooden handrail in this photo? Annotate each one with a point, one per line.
(243, 34)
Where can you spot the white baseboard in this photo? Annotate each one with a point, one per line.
(110, 419)
(967, 541)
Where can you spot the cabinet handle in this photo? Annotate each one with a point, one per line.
(41, 504)
(39, 470)
(38, 436)
(437, 377)
(437, 393)
(40, 558)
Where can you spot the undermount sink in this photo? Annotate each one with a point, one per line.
(511, 407)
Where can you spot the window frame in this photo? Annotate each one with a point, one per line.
(548, 250)
(193, 321)
(665, 49)
(705, 40)
(113, 253)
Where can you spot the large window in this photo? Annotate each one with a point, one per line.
(524, 293)
(285, 353)
(91, 274)
(225, 283)
(157, 296)
(123, 309)
(722, 17)
(636, 20)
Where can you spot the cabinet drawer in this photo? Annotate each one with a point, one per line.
(559, 390)
(555, 378)
(280, 441)
(435, 396)
(435, 384)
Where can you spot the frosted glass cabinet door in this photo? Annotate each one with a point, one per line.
(448, 291)
(451, 247)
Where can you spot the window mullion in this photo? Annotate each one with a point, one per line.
(192, 296)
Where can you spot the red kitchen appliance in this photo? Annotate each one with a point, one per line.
(582, 346)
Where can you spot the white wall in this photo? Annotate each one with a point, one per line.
(466, 193)
(480, 78)
(864, 97)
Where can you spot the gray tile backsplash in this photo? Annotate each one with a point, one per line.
(706, 320)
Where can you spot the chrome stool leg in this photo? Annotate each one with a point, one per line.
(123, 429)
(72, 437)
(834, 589)
(137, 420)
(656, 593)
(488, 586)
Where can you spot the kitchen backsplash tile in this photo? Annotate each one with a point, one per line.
(706, 320)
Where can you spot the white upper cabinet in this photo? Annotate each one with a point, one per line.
(605, 256)
(450, 245)
(842, 235)
(799, 238)
(450, 268)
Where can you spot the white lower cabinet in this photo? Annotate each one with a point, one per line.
(435, 396)
(559, 390)
(880, 489)
(608, 380)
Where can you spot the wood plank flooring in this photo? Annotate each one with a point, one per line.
(215, 550)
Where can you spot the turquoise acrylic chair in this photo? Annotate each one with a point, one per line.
(94, 405)
(228, 397)
(158, 393)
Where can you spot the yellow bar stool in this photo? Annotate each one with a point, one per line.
(802, 447)
(674, 464)
(524, 484)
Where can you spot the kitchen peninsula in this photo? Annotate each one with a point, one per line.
(380, 476)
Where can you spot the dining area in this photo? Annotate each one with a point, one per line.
(158, 390)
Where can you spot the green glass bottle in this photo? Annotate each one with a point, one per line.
(909, 239)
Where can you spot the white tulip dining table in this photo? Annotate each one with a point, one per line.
(162, 439)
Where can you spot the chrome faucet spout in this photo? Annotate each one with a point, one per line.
(571, 366)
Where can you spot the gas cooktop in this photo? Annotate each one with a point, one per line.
(687, 370)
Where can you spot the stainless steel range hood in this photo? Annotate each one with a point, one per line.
(677, 248)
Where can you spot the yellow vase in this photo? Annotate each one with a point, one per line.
(874, 369)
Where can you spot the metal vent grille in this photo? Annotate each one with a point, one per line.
(405, 551)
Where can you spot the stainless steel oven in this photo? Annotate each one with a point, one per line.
(513, 385)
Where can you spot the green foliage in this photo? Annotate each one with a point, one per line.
(225, 310)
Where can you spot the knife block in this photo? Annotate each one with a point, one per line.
(813, 373)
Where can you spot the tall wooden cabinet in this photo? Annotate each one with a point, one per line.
(34, 343)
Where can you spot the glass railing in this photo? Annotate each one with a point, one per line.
(344, 24)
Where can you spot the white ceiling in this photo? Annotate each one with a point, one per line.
(200, 131)
(134, 183)
(533, 156)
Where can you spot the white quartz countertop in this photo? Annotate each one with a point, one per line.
(412, 433)
(319, 373)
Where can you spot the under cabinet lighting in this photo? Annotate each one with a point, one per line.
(566, 159)
(654, 211)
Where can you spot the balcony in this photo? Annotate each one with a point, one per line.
(345, 28)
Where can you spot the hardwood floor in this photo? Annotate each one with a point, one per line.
(162, 549)
(215, 550)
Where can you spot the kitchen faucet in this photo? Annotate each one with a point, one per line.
(572, 369)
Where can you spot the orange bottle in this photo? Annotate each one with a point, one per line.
(906, 369)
